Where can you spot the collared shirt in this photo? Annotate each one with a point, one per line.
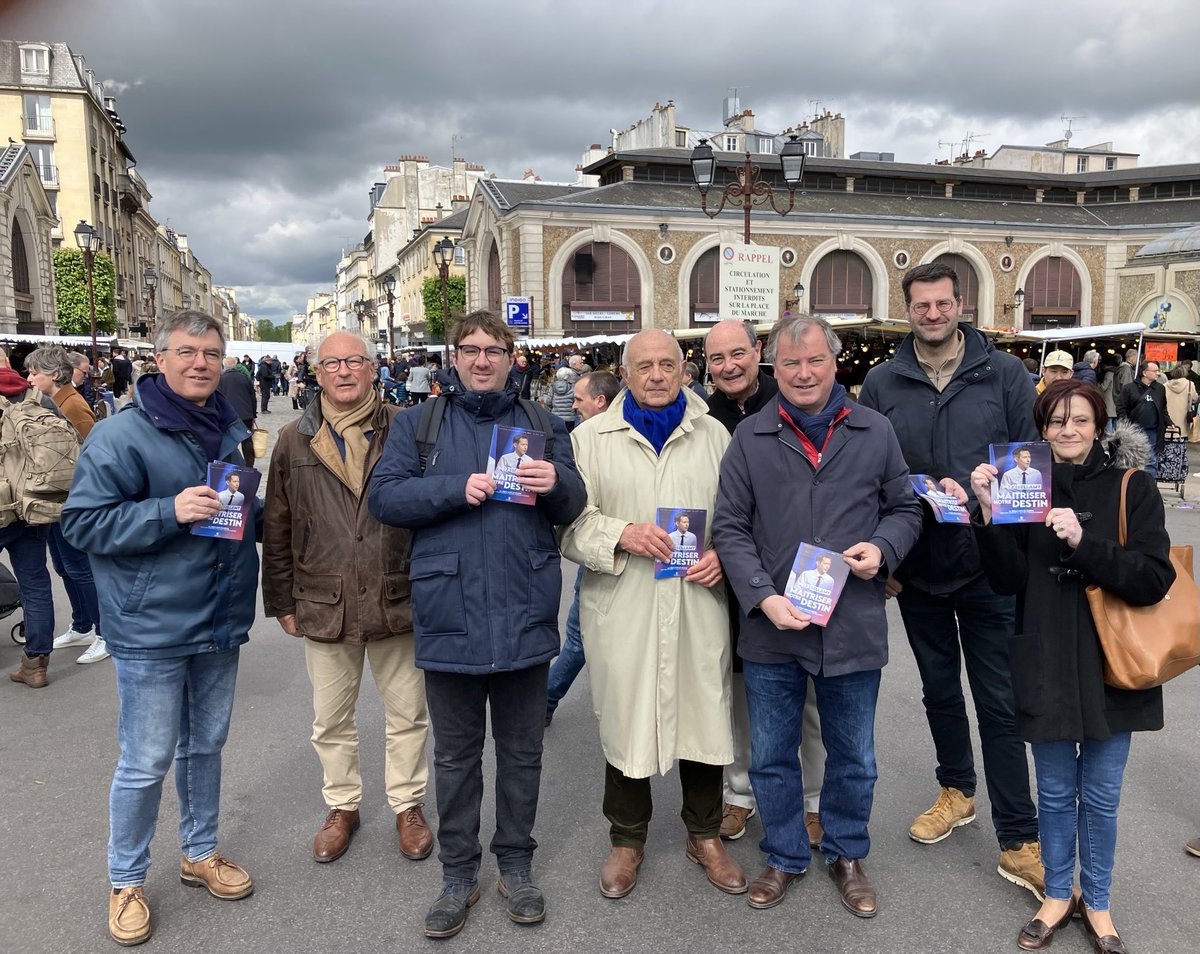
(941, 375)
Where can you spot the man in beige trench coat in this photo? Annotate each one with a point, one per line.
(658, 649)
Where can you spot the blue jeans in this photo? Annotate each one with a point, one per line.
(972, 623)
(1152, 460)
(168, 707)
(26, 546)
(570, 659)
(76, 572)
(1079, 789)
(775, 697)
(458, 708)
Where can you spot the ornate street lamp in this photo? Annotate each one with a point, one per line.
(388, 282)
(749, 185)
(1017, 302)
(150, 277)
(85, 238)
(798, 295)
(443, 255)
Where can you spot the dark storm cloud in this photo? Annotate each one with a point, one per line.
(260, 126)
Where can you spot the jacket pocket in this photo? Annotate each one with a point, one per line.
(318, 599)
(397, 604)
(141, 583)
(438, 608)
(1028, 674)
(545, 587)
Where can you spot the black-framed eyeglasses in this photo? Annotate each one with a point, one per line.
(493, 352)
(331, 365)
(943, 305)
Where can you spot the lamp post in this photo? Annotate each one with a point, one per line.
(150, 277)
(443, 255)
(389, 288)
(749, 185)
(85, 238)
(798, 292)
(1017, 302)
(360, 312)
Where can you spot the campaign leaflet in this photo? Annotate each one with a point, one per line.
(945, 508)
(510, 447)
(1021, 489)
(817, 579)
(235, 487)
(686, 530)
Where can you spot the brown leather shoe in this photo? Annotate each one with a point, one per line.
(334, 837)
(128, 916)
(768, 889)
(618, 875)
(32, 671)
(1103, 943)
(222, 877)
(1038, 934)
(858, 897)
(416, 840)
(1193, 847)
(723, 872)
(812, 824)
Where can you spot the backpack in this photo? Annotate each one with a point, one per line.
(38, 451)
(433, 410)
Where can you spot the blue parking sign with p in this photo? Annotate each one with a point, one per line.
(516, 311)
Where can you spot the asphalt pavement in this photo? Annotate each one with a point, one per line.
(58, 751)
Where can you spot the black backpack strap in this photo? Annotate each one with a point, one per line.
(540, 418)
(429, 422)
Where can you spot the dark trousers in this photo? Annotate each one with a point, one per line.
(248, 443)
(628, 805)
(458, 709)
(974, 624)
(264, 394)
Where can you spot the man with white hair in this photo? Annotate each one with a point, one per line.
(658, 650)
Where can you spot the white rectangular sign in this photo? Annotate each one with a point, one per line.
(749, 282)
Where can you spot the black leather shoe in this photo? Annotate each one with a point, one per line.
(858, 897)
(1038, 934)
(1104, 944)
(448, 913)
(526, 903)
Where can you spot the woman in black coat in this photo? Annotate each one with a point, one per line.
(1079, 728)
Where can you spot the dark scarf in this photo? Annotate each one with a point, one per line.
(207, 423)
(654, 423)
(815, 426)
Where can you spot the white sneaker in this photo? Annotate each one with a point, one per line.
(73, 637)
(95, 652)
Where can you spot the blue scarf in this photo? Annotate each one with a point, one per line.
(654, 423)
(207, 423)
(816, 426)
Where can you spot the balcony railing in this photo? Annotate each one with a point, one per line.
(39, 126)
(48, 172)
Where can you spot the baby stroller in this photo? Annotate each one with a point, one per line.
(10, 600)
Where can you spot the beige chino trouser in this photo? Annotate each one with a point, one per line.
(335, 671)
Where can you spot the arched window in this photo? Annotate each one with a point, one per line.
(1053, 295)
(23, 286)
(968, 283)
(601, 291)
(704, 292)
(841, 284)
(493, 280)
(19, 260)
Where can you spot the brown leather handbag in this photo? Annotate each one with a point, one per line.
(1145, 646)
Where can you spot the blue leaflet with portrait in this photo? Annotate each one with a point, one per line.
(686, 529)
(943, 505)
(235, 487)
(816, 582)
(511, 447)
(1021, 488)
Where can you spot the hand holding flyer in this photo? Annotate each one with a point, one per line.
(816, 582)
(1021, 490)
(686, 530)
(945, 508)
(235, 487)
(510, 447)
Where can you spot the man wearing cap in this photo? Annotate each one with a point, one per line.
(1058, 366)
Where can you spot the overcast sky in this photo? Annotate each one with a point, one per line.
(260, 125)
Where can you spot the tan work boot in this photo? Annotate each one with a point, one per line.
(1023, 866)
(32, 671)
(733, 821)
(951, 810)
(223, 878)
(128, 916)
(812, 825)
